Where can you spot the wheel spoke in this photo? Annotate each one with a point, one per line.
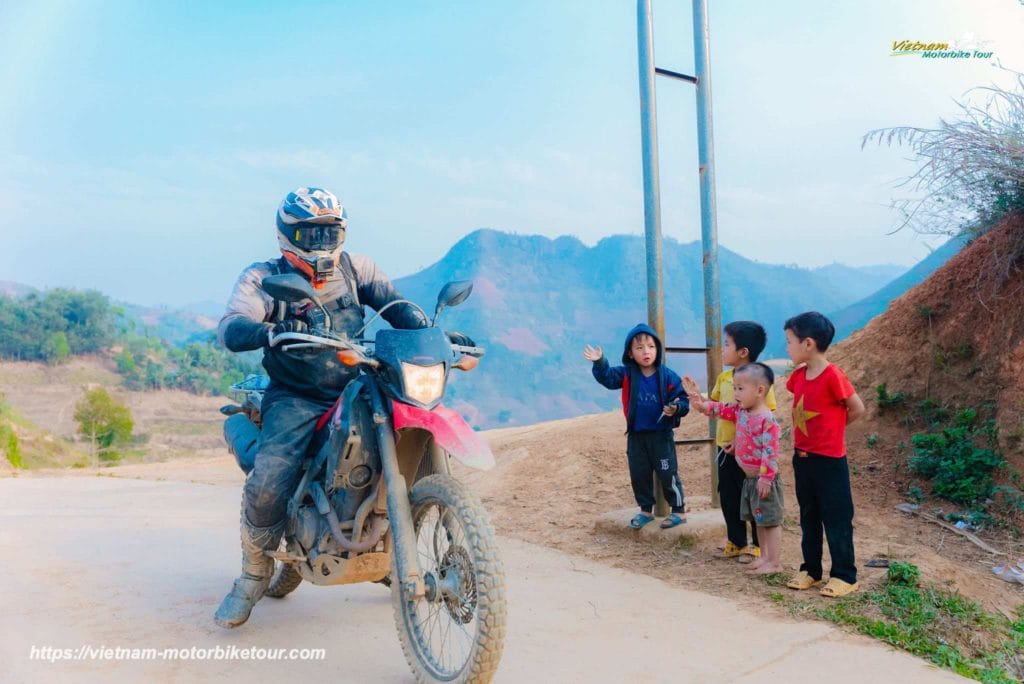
(445, 629)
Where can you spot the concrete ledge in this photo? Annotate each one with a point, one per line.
(703, 524)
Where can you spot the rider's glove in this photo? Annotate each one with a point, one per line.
(292, 325)
(460, 339)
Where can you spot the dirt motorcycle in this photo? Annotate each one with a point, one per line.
(377, 502)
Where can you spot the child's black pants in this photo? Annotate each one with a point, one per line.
(823, 491)
(650, 454)
(730, 485)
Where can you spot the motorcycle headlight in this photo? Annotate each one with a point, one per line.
(425, 384)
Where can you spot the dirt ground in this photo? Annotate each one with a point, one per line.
(554, 479)
(140, 558)
(958, 337)
(168, 423)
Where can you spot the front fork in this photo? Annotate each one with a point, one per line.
(399, 509)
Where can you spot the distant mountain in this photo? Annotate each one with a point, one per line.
(208, 308)
(538, 301)
(856, 315)
(859, 281)
(10, 288)
(173, 325)
(176, 325)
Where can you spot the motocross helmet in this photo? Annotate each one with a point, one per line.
(311, 230)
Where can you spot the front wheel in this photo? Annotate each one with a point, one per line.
(456, 632)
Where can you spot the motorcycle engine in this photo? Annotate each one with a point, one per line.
(352, 466)
(353, 462)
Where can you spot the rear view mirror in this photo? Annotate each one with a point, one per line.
(289, 287)
(453, 294)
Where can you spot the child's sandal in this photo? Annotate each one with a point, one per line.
(730, 550)
(837, 588)
(748, 554)
(802, 581)
(672, 520)
(640, 519)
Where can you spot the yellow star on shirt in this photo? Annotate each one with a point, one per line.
(802, 415)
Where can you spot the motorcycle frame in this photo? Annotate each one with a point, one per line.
(401, 458)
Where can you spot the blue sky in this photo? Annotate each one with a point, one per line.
(144, 147)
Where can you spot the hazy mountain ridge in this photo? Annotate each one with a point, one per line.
(537, 301)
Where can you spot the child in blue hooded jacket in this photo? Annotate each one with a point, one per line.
(654, 401)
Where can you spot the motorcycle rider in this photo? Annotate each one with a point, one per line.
(311, 225)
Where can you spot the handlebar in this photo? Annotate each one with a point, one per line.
(308, 341)
(312, 341)
(468, 351)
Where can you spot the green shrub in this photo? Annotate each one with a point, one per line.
(903, 574)
(104, 421)
(9, 440)
(886, 400)
(932, 412)
(959, 459)
(916, 493)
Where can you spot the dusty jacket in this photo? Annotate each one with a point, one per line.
(251, 312)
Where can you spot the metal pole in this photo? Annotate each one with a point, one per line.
(708, 213)
(652, 192)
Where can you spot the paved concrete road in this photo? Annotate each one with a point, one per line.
(104, 561)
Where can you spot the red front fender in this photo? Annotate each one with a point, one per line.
(450, 431)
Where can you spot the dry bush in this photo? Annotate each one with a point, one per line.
(970, 170)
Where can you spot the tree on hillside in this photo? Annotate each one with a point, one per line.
(56, 347)
(970, 170)
(104, 421)
(48, 327)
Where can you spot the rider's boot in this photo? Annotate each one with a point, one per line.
(257, 569)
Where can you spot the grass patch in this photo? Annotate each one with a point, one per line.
(888, 400)
(27, 446)
(775, 579)
(941, 626)
(685, 543)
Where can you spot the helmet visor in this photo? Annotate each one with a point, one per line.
(315, 238)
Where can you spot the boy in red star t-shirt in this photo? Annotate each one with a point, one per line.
(824, 403)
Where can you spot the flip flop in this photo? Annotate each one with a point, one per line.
(672, 520)
(640, 519)
(837, 588)
(802, 581)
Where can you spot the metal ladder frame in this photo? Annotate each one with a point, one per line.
(652, 202)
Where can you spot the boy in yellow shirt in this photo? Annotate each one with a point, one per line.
(744, 342)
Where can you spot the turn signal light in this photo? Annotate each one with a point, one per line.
(466, 363)
(350, 357)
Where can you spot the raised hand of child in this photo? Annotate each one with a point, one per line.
(763, 489)
(592, 354)
(693, 393)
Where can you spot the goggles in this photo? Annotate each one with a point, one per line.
(316, 238)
